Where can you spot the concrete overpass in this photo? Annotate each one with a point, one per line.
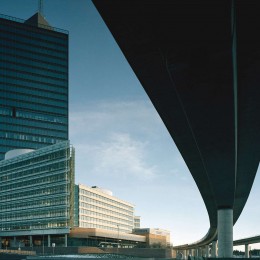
(246, 242)
(199, 62)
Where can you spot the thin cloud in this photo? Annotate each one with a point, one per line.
(120, 155)
(138, 116)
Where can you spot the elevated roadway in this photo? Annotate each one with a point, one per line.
(199, 63)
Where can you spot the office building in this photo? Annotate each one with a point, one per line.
(102, 220)
(33, 84)
(36, 195)
(98, 208)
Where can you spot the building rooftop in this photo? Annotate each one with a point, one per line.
(37, 20)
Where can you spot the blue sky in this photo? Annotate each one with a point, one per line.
(121, 143)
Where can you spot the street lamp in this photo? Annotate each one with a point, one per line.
(117, 237)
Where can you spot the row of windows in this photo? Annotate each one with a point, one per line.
(28, 47)
(104, 222)
(11, 80)
(39, 116)
(26, 144)
(17, 134)
(46, 169)
(33, 106)
(6, 64)
(31, 138)
(36, 192)
(24, 61)
(90, 225)
(26, 184)
(20, 123)
(33, 77)
(110, 201)
(23, 205)
(33, 99)
(32, 130)
(126, 220)
(34, 161)
(32, 215)
(33, 91)
(13, 35)
(33, 224)
(32, 55)
(35, 33)
(103, 210)
(33, 205)
(106, 204)
(105, 217)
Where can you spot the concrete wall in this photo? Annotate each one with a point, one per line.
(143, 252)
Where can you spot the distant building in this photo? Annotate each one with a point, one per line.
(33, 84)
(98, 208)
(155, 237)
(36, 196)
(137, 221)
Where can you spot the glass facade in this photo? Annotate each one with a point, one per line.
(100, 210)
(36, 189)
(33, 85)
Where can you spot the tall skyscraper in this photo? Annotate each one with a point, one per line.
(33, 83)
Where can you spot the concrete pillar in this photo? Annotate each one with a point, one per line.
(66, 240)
(200, 251)
(14, 241)
(49, 240)
(214, 249)
(197, 252)
(246, 251)
(31, 241)
(207, 251)
(225, 233)
(0, 243)
(185, 254)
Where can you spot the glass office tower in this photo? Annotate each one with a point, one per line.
(33, 84)
(37, 195)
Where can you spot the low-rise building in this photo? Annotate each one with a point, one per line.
(155, 237)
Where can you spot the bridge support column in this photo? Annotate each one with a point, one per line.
(225, 233)
(207, 251)
(214, 249)
(246, 251)
(185, 254)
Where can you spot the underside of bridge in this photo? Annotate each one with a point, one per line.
(199, 63)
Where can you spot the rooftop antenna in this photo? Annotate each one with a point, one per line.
(40, 7)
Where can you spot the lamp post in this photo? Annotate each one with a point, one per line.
(117, 237)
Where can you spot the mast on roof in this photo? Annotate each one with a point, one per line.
(40, 7)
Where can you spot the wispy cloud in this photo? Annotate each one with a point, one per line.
(104, 117)
(123, 156)
(111, 139)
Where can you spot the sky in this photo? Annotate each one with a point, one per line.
(121, 143)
